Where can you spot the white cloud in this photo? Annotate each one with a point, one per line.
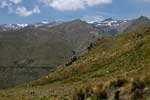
(36, 10)
(4, 4)
(13, 6)
(73, 4)
(67, 4)
(96, 2)
(22, 11)
(16, 1)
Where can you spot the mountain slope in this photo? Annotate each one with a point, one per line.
(28, 54)
(126, 55)
(20, 46)
(140, 22)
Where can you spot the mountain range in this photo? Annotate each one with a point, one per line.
(109, 25)
(72, 53)
(115, 68)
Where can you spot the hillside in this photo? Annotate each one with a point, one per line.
(116, 68)
(28, 54)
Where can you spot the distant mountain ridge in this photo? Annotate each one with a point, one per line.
(109, 22)
(111, 26)
(8, 27)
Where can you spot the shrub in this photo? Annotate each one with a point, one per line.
(92, 92)
(137, 84)
(119, 82)
(116, 96)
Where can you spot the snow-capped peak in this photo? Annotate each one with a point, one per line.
(44, 22)
(22, 25)
(109, 22)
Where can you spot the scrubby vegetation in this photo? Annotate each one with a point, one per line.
(117, 89)
(117, 68)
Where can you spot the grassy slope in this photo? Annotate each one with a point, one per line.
(127, 55)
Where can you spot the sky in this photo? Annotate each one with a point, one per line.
(32, 11)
